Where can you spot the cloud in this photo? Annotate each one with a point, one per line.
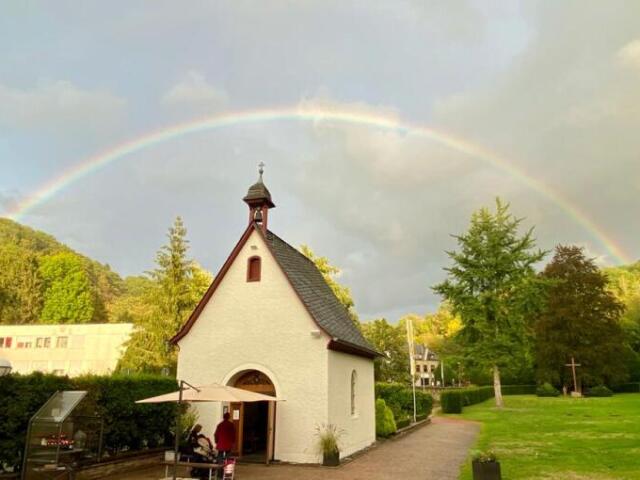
(629, 55)
(195, 93)
(8, 200)
(59, 106)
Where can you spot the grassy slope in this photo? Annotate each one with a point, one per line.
(562, 438)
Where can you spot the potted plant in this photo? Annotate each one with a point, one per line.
(328, 436)
(485, 466)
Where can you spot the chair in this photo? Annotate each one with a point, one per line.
(229, 469)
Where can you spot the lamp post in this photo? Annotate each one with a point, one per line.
(5, 367)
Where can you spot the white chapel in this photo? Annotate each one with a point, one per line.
(270, 323)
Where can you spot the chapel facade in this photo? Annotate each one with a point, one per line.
(270, 323)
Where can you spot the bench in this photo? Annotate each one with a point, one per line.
(209, 466)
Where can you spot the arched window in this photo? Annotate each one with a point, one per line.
(253, 269)
(354, 380)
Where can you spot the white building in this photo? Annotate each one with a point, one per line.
(72, 349)
(270, 323)
(426, 362)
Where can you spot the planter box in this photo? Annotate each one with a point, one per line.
(486, 470)
(331, 459)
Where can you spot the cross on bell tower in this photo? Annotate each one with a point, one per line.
(259, 200)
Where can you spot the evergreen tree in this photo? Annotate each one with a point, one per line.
(493, 287)
(581, 320)
(168, 298)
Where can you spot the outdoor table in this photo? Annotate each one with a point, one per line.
(209, 466)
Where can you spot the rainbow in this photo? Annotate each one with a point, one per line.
(313, 113)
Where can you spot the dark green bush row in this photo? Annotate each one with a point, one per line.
(127, 426)
(473, 395)
(400, 399)
(451, 401)
(518, 389)
(627, 388)
(403, 422)
(599, 391)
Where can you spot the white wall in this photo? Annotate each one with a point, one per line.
(359, 430)
(90, 348)
(262, 325)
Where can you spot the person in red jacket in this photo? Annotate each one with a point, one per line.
(225, 437)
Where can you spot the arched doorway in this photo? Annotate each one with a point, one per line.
(254, 421)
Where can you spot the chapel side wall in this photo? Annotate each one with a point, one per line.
(261, 325)
(359, 430)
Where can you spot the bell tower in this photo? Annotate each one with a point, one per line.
(259, 200)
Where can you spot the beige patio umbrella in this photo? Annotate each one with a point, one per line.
(206, 393)
(211, 393)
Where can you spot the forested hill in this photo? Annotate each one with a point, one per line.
(44, 281)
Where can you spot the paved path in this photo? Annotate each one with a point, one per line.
(433, 452)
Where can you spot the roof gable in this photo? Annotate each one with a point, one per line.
(310, 287)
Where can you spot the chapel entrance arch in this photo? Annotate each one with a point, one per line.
(254, 421)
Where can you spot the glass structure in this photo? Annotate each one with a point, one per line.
(61, 437)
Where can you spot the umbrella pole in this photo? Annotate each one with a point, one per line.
(176, 446)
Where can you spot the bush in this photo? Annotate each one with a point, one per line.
(403, 422)
(127, 425)
(451, 401)
(473, 395)
(518, 389)
(399, 398)
(627, 388)
(385, 423)
(599, 391)
(547, 390)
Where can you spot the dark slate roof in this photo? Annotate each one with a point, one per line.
(258, 191)
(317, 296)
(419, 351)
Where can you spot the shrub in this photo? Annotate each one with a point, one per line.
(518, 389)
(403, 422)
(385, 423)
(399, 398)
(600, 391)
(451, 401)
(127, 425)
(473, 395)
(627, 388)
(547, 390)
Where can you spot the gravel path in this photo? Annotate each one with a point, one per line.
(432, 452)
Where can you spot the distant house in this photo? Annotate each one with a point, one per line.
(270, 323)
(426, 362)
(68, 349)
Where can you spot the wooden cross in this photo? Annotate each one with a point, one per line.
(573, 366)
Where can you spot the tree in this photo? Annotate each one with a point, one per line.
(329, 272)
(493, 287)
(68, 293)
(20, 279)
(392, 341)
(581, 320)
(161, 303)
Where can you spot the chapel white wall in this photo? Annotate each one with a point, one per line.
(262, 325)
(359, 430)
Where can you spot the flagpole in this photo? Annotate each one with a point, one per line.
(409, 327)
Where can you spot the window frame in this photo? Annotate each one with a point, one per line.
(255, 259)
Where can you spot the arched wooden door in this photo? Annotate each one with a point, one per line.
(255, 421)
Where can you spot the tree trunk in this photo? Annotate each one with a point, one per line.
(497, 388)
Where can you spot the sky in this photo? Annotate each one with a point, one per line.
(535, 102)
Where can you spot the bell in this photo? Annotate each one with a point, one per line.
(257, 216)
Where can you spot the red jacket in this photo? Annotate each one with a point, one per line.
(225, 435)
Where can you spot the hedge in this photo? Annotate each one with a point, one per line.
(547, 390)
(399, 398)
(627, 388)
(518, 390)
(451, 401)
(127, 425)
(599, 391)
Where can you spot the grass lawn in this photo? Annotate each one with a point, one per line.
(561, 438)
